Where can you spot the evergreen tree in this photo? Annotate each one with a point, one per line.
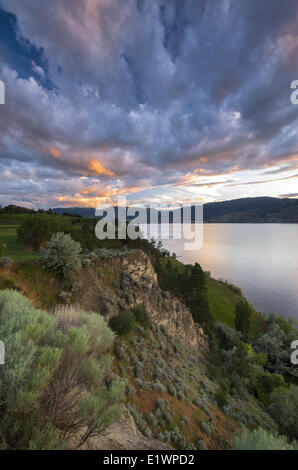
(243, 313)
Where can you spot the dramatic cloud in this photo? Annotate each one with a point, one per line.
(154, 97)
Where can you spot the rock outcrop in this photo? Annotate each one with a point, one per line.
(124, 435)
(114, 281)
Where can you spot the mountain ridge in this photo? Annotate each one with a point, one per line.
(242, 210)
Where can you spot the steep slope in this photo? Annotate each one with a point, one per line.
(118, 280)
(170, 394)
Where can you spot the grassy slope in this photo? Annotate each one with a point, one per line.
(222, 302)
(14, 249)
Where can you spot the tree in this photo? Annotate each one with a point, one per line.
(243, 311)
(61, 254)
(196, 296)
(34, 231)
(87, 235)
(1, 249)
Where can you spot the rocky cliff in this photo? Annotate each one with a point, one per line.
(119, 280)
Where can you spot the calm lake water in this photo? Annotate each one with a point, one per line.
(262, 259)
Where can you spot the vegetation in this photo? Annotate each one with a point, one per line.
(173, 393)
(123, 323)
(284, 410)
(261, 439)
(56, 384)
(243, 313)
(61, 254)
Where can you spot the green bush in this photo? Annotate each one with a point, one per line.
(266, 385)
(49, 360)
(221, 398)
(260, 439)
(61, 254)
(123, 323)
(284, 410)
(141, 315)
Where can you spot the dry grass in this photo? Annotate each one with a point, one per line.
(67, 316)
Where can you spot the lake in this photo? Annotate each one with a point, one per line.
(262, 259)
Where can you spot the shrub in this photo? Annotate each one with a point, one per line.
(67, 316)
(161, 403)
(206, 428)
(260, 439)
(221, 398)
(152, 420)
(5, 261)
(54, 360)
(141, 315)
(123, 323)
(61, 254)
(284, 410)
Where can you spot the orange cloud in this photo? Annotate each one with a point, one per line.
(97, 168)
(55, 153)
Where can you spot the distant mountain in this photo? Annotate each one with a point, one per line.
(254, 209)
(81, 211)
(245, 210)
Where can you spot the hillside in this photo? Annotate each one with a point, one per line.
(245, 210)
(170, 395)
(191, 380)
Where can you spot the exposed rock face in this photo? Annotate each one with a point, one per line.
(124, 435)
(121, 281)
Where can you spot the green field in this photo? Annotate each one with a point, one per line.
(14, 249)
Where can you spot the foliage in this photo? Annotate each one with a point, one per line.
(243, 312)
(275, 344)
(35, 231)
(57, 382)
(266, 385)
(261, 439)
(284, 410)
(141, 315)
(1, 249)
(123, 322)
(61, 254)
(226, 336)
(221, 397)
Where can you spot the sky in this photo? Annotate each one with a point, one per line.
(158, 100)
